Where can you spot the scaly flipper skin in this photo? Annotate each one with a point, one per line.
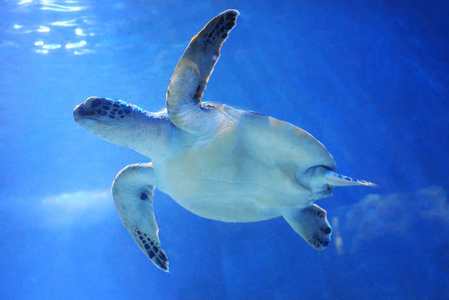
(310, 223)
(133, 196)
(192, 73)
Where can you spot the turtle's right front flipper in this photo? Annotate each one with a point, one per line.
(192, 73)
(133, 196)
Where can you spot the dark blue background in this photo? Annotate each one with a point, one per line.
(369, 79)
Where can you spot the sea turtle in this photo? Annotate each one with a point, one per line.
(219, 162)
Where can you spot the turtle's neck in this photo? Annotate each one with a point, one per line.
(153, 135)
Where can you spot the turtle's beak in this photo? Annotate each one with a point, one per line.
(85, 117)
(80, 112)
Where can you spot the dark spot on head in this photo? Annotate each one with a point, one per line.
(325, 243)
(122, 116)
(96, 103)
(128, 110)
(147, 246)
(216, 26)
(143, 196)
(120, 112)
(111, 116)
(225, 35)
(221, 21)
(116, 105)
(84, 112)
(155, 249)
(151, 254)
(106, 107)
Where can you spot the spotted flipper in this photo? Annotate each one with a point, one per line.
(192, 73)
(133, 196)
(310, 223)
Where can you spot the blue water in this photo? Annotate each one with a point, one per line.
(369, 79)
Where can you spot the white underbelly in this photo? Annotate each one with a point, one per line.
(234, 202)
(230, 181)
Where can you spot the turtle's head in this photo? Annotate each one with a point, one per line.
(113, 120)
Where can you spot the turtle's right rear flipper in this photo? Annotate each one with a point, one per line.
(310, 223)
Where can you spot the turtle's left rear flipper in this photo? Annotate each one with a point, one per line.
(133, 196)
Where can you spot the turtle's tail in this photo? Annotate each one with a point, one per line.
(336, 179)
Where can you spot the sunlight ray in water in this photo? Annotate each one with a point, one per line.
(62, 8)
(51, 46)
(75, 45)
(67, 209)
(83, 51)
(24, 2)
(45, 47)
(43, 29)
(80, 32)
(48, 38)
(21, 29)
(41, 51)
(67, 23)
(78, 200)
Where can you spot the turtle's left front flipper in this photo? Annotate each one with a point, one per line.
(192, 73)
(133, 196)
